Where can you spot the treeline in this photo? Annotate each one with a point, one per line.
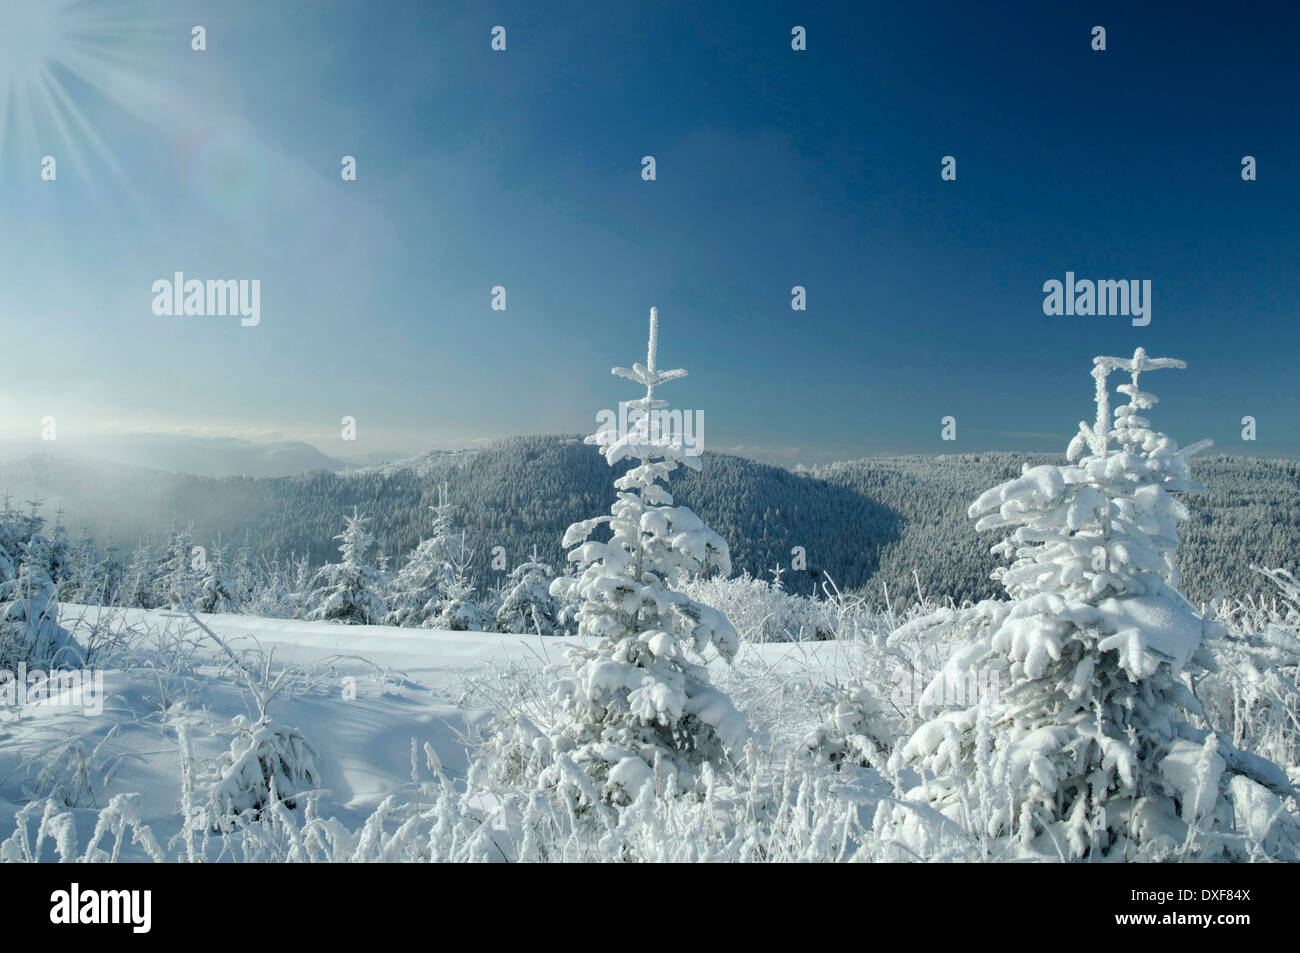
(42, 567)
(874, 524)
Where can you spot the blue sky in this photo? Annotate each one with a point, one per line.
(522, 168)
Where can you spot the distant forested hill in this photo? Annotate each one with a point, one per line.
(1251, 517)
(871, 522)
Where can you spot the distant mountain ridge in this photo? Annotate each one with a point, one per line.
(179, 453)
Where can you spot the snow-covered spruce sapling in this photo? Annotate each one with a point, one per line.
(267, 762)
(30, 633)
(298, 599)
(429, 571)
(80, 581)
(140, 587)
(1087, 748)
(458, 608)
(527, 606)
(347, 591)
(217, 590)
(178, 583)
(244, 575)
(635, 709)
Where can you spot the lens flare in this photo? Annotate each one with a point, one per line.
(230, 174)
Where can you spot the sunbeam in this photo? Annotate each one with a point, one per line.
(62, 63)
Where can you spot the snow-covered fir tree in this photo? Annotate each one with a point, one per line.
(217, 591)
(30, 633)
(458, 608)
(140, 584)
(347, 591)
(527, 605)
(244, 573)
(1089, 744)
(178, 582)
(297, 600)
(61, 557)
(426, 577)
(567, 600)
(12, 536)
(491, 600)
(86, 577)
(8, 570)
(635, 708)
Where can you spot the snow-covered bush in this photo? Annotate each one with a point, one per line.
(804, 820)
(762, 611)
(856, 730)
(297, 596)
(56, 827)
(14, 531)
(266, 590)
(568, 601)
(85, 575)
(75, 770)
(266, 762)
(1252, 689)
(1084, 748)
(268, 765)
(891, 661)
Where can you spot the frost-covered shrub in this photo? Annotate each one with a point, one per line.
(268, 765)
(297, 598)
(73, 772)
(804, 819)
(762, 611)
(1252, 688)
(856, 730)
(568, 602)
(267, 590)
(266, 762)
(139, 585)
(56, 829)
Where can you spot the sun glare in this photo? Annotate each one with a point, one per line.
(61, 61)
(30, 37)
